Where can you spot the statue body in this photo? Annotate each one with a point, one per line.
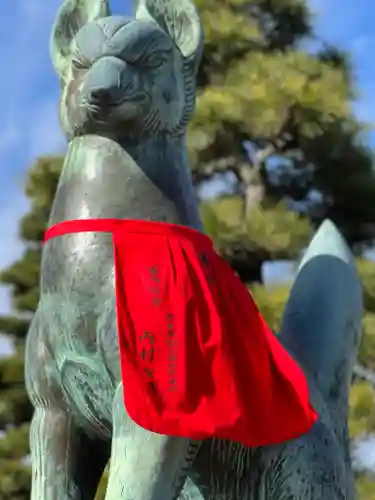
(128, 91)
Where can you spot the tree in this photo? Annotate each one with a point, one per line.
(23, 279)
(276, 119)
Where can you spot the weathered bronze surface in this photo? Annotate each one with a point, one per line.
(128, 91)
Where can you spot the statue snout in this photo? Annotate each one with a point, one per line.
(108, 81)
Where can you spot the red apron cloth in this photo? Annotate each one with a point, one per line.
(197, 358)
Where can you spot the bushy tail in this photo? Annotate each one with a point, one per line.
(322, 321)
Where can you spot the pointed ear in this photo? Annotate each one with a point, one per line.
(180, 20)
(72, 15)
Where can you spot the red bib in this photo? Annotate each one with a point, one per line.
(197, 358)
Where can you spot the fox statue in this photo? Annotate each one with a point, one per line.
(127, 95)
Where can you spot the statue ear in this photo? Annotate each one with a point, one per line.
(72, 15)
(180, 20)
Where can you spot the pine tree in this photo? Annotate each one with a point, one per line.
(23, 279)
(276, 120)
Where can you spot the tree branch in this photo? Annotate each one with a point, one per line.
(363, 373)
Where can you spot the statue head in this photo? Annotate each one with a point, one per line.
(124, 77)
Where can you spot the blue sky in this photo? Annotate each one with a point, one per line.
(29, 91)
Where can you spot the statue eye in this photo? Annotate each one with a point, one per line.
(154, 61)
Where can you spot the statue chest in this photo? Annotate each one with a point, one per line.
(103, 181)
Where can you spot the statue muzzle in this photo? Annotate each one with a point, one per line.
(109, 82)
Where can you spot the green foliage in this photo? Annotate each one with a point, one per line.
(366, 353)
(276, 232)
(256, 92)
(246, 242)
(365, 487)
(271, 302)
(15, 443)
(257, 84)
(14, 480)
(362, 409)
(14, 326)
(366, 271)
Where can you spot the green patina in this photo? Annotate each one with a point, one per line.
(128, 91)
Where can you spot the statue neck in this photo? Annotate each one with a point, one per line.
(164, 160)
(147, 178)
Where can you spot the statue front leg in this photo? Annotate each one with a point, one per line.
(66, 463)
(145, 465)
